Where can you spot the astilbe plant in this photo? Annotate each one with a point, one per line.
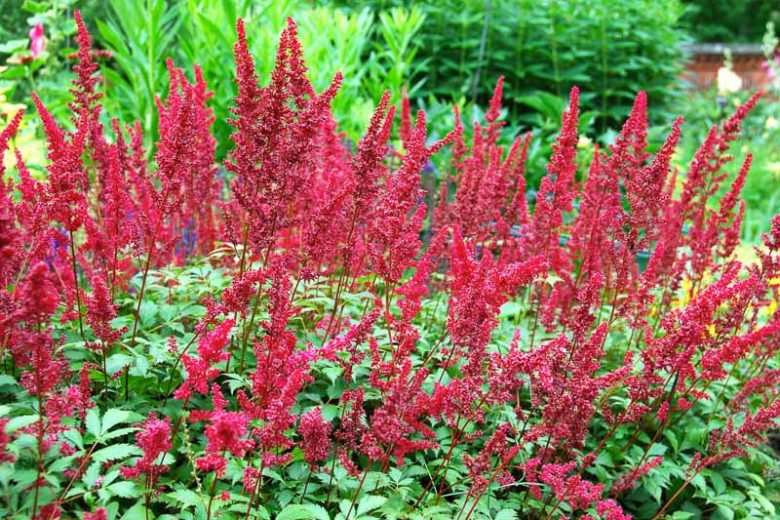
(345, 365)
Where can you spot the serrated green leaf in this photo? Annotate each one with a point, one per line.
(137, 512)
(117, 363)
(113, 434)
(21, 421)
(113, 417)
(91, 475)
(318, 512)
(115, 452)
(652, 487)
(506, 514)
(186, 496)
(124, 489)
(93, 422)
(6, 380)
(302, 512)
(370, 502)
(724, 512)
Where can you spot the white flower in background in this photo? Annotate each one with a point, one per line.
(771, 123)
(774, 169)
(729, 81)
(584, 142)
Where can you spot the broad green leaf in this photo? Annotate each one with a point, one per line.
(506, 514)
(124, 489)
(370, 502)
(113, 417)
(115, 452)
(16, 423)
(186, 496)
(93, 422)
(302, 512)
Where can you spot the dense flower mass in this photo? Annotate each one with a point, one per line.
(310, 332)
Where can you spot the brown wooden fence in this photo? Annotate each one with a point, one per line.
(705, 59)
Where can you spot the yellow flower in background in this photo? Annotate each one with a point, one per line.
(774, 168)
(685, 296)
(711, 330)
(771, 309)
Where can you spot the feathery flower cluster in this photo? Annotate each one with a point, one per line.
(154, 439)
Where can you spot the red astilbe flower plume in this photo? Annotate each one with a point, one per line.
(393, 235)
(185, 159)
(724, 227)
(732, 441)
(490, 196)
(367, 166)
(79, 397)
(481, 466)
(110, 237)
(703, 180)
(345, 349)
(11, 238)
(85, 105)
(556, 193)
(397, 427)
(201, 370)
(101, 310)
(494, 112)
(368, 172)
(646, 195)
(325, 208)
(564, 382)
(628, 153)
(37, 297)
(225, 434)
(281, 373)
(68, 182)
(278, 345)
(315, 437)
(154, 439)
(579, 493)
(276, 129)
(592, 236)
(626, 481)
(516, 164)
(479, 289)
(416, 287)
(686, 333)
(183, 162)
(736, 348)
(763, 386)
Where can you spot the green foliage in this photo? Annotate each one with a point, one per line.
(609, 48)
(729, 22)
(373, 51)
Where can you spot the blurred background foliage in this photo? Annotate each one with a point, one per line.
(443, 52)
(731, 21)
